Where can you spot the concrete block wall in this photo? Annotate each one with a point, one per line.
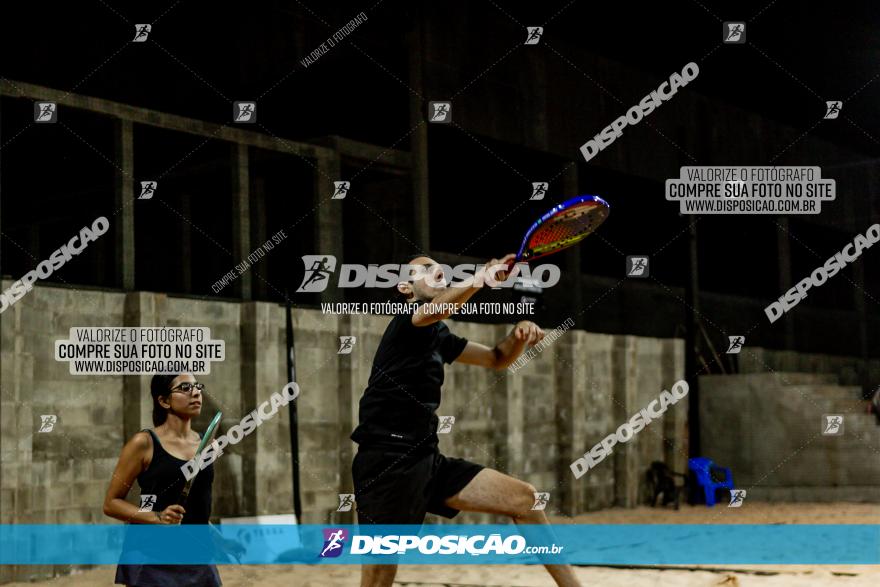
(58, 477)
(585, 408)
(531, 424)
(658, 364)
(847, 369)
(767, 428)
(320, 376)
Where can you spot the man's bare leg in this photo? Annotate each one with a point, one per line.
(378, 575)
(496, 493)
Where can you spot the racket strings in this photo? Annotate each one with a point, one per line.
(566, 229)
(563, 226)
(561, 231)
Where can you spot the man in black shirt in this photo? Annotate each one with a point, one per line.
(399, 474)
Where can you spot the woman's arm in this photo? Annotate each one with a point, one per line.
(131, 463)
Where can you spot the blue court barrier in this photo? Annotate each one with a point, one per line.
(614, 544)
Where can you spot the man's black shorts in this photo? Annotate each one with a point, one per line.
(394, 487)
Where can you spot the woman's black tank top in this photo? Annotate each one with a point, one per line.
(164, 479)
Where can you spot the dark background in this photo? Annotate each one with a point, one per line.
(520, 113)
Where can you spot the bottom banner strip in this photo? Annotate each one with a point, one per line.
(614, 544)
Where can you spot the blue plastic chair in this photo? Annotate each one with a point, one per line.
(702, 468)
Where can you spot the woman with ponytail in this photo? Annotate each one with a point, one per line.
(154, 457)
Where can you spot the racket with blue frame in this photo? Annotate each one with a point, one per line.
(566, 224)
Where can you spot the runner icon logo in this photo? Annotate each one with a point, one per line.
(318, 270)
(148, 188)
(737, 497)
(445, 425)
(47, 423)
(244, 112)
(734, 32)
(441, 112)
(736, 344)
(832, 424)
(636, 266)
(45, 112)
(539, 190)
(346, 345)
(147, 503)
(141, 32)
(533, 34)
(346, 500)
(832, 109)
(340, 190)
(542, 498)
(334, 540)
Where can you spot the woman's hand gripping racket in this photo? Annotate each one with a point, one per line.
(207, 437)
(566, 224)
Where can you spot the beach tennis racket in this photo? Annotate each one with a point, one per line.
(566, 224)
(206, 439)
